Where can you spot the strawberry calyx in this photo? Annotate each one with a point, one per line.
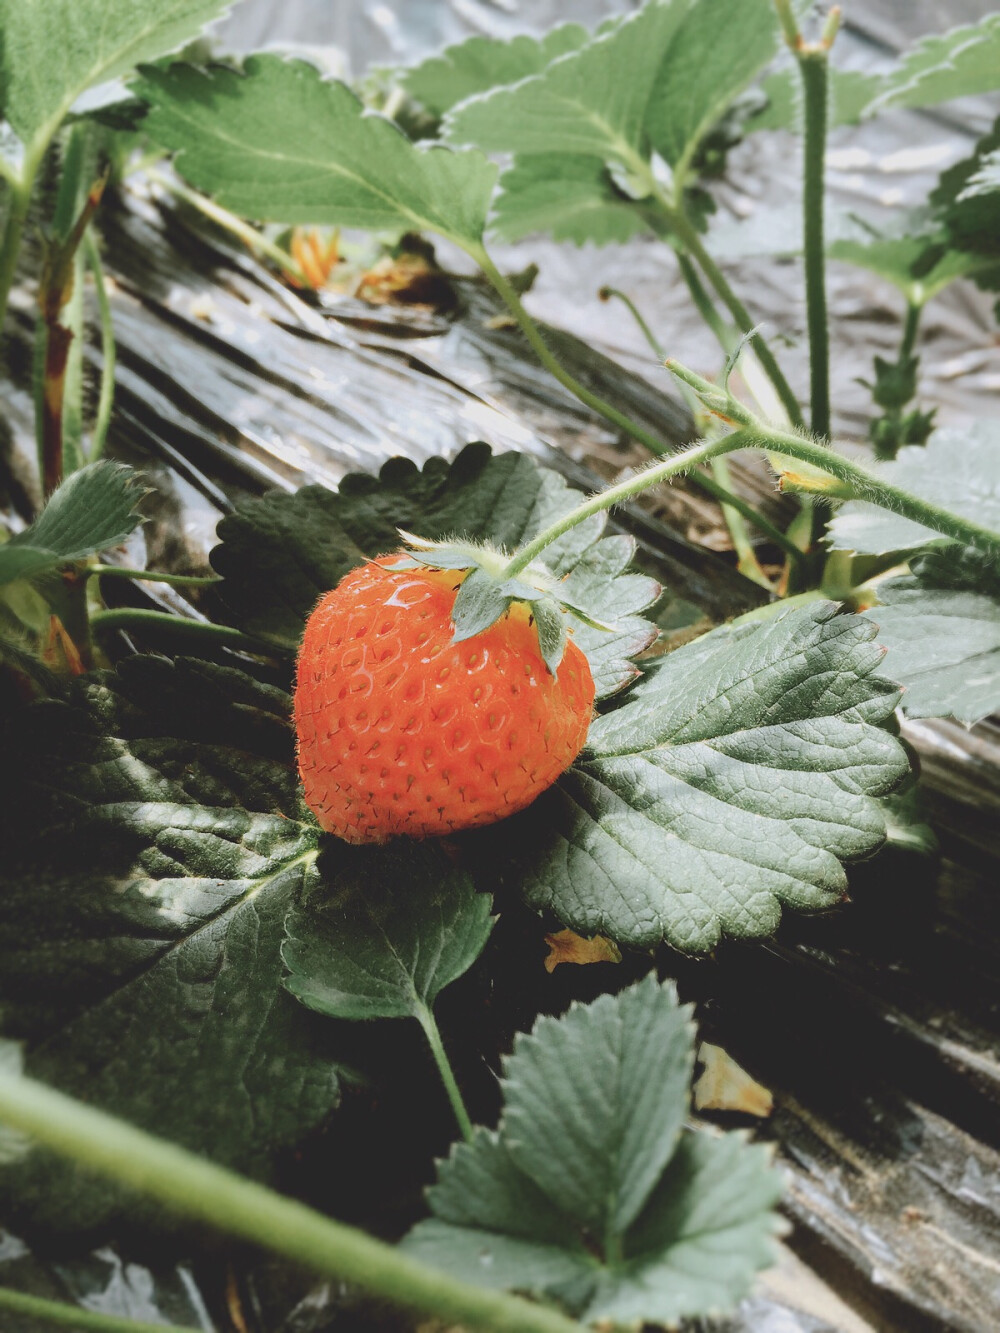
(486, 594)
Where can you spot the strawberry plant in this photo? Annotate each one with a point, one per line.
(437, 698)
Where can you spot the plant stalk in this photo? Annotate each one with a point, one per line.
(127, 617)
(72, 1316)
(153, 576)
(250, 236)
(425, 1016)
(10, 246)
(534, 336)
(106, 399)
(199, 1189)
(814, 67)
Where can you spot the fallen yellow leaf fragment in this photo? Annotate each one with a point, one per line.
(725, 1086)
(565, 946)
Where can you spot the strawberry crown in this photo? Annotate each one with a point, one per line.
(487, 593)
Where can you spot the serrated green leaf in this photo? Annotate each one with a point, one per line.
(985, 179)
(717, 50)
(595, 1102)
(480, 63)
(591, 102)
(571, 197)
(93, 509)
(910, 260)
(741, 771)
(589, 1194)
(152, 848)
(969, 215)
(957, 469)
(54, 50)
(280, 554)
(278, 143)
(402, 924)
(960, 63)
(941, 626)
(704, 1235)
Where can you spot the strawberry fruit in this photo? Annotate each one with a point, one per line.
(405, 726)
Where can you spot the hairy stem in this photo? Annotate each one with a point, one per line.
(682, 461)
(106, 399)
(72, 1316)
(10, 245)
(534, 336)
(425, 1016)
(199, 1189)
(689, 237)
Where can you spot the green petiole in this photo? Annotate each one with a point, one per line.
(72, 1316)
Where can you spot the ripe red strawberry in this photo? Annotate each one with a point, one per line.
(403, 731)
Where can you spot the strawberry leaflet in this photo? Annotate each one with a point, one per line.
(739, 774)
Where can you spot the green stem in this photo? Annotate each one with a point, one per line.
(426, 1019)
(534, 336)
(680, 462)
(746, 557)
(198, 1188)
(689, 237)
(860, 483)
(250, 236)
(128, 617)
(10, 246)
(703, 304)
(153, 576)
(71, 1316)
(910, 326)
(814, 67)
(106, 399)
(655, 346)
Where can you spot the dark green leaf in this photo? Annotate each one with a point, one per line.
(152, 848)
(279, 143)
(957, 469)
(279, 554)
(742, 769)
(53, 50)
(589, 1193)
(402, 924)
(941, 626)
(93, 509)
(480, 63)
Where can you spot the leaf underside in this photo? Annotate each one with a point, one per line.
(281, 553)
(589, 1193)
(278, 143)
(54, 50)
(736, 777)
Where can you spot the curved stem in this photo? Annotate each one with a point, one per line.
(199, 1189)
(655, 346)
(106, 399)
(533, 334)
(250, 236)
(688, 235)
(127, 617)
(426, 1019)
(10, 246)
(72, 1316)
(703, 304)
(606, 499)
(153, 576)
(814, 67)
